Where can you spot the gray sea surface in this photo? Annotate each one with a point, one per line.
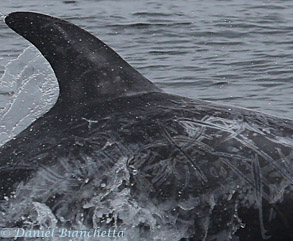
(234, 52)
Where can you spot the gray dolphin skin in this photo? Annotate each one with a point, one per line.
(115, 152)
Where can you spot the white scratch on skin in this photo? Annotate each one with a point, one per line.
(89, 121)
(243, 140)
(257, 175)
(192, 163)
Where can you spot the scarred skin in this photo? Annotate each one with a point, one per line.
(206, 169)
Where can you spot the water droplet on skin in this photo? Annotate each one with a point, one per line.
(242, 225)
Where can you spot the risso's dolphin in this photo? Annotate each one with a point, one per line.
(117, 152)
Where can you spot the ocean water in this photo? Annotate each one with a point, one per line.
(234, 52)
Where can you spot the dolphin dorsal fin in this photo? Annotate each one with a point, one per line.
(86, 68)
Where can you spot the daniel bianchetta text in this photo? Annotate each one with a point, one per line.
(62, 233)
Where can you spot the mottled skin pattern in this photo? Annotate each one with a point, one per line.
(209, 167)
(179, 149)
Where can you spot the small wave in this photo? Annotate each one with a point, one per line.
(147, 25)
(155, 14)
